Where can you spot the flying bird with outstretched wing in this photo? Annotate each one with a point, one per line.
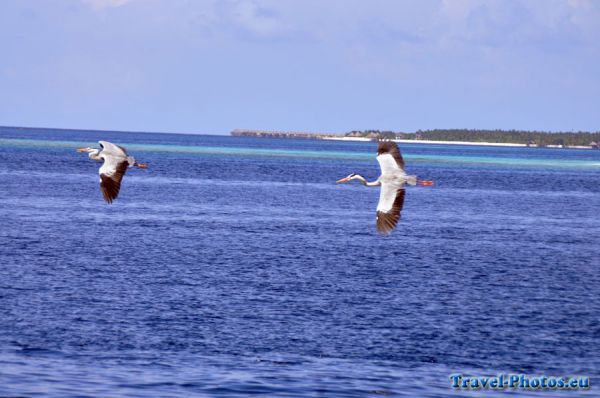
(392, 181)
(116, 162)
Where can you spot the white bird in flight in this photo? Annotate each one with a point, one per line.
(391, 180)
(116, 161)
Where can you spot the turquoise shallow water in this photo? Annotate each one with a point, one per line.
(236, 266)
(364, 155)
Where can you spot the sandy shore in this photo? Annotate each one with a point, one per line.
(347, 138)
(427, 142)
(333, 137)
(460, 143)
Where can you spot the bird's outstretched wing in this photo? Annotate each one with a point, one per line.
(111, 174)
(391, 201)
(389, 157)
(109, 148)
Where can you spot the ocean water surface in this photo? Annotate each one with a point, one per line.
(236, 266)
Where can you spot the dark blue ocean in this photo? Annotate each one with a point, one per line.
(235, 266)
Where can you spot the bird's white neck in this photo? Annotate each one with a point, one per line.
(364, 181)
(95, 155)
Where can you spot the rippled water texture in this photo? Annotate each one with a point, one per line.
(236, 265)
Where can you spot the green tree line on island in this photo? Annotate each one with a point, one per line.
(534, 138)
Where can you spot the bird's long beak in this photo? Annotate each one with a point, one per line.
(345, 179)
(83, 149)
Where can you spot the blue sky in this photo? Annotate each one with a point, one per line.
(209, 66)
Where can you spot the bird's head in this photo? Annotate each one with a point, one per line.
(346, 179)
(93, 153)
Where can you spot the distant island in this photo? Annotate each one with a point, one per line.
(511, 138)
(581, 139)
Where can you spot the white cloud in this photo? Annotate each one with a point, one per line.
(250, 16)
(585, 4)
(100, 4)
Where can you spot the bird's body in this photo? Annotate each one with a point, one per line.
(392, 181)
(115, 163)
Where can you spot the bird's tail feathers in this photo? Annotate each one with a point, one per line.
(133, 163)
(425, 183)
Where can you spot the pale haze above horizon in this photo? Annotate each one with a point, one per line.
(210, 66)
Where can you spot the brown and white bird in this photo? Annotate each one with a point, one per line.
(116, 161)
(391, 180)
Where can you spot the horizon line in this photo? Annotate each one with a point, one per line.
(290, 131)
